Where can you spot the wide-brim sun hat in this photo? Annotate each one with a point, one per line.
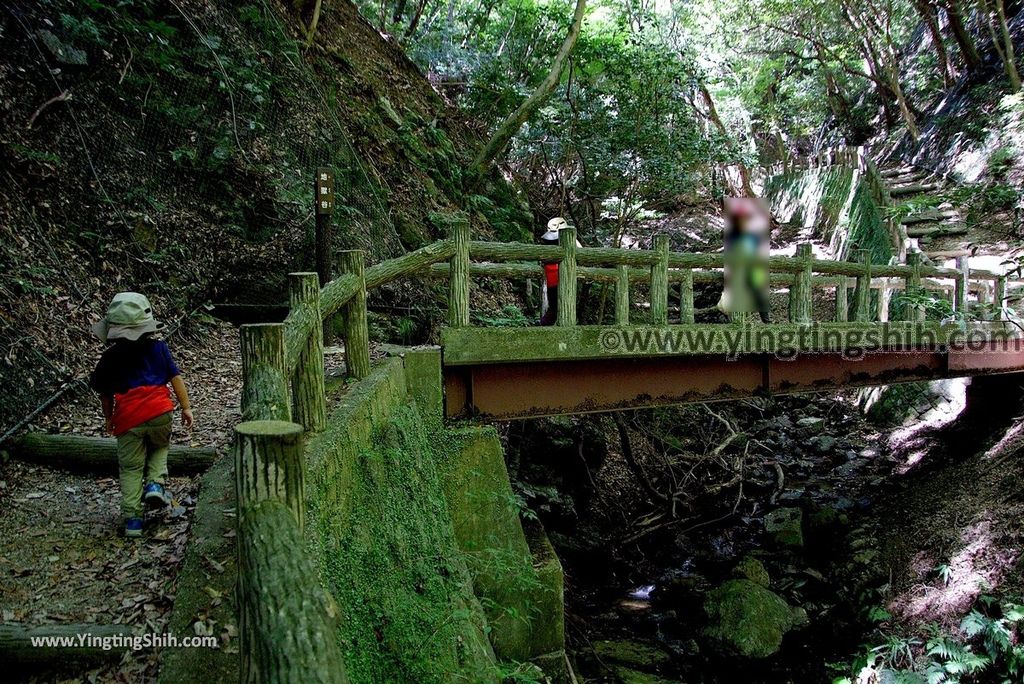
(129, 317)
(554, 226)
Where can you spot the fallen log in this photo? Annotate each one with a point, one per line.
(55, 646)
(98, 454)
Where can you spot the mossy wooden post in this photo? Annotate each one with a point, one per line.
(686, 297)
(264, 385)
(622, 295)
(659, 282)
(567, 275)
(914, 310)
(961, 285)
(309, 401)
(842, 307)
(999, 297)
(356, 330)
(270, 465)
(287, 622)
(800, 292)
(458, 283)
(862, 293)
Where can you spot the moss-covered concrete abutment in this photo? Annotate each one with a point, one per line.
(416, 535)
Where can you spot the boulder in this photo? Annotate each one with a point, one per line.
(785, 525)
(748, 620)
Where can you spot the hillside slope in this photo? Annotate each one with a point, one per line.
(169, 146)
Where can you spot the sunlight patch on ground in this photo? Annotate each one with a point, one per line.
(978, 566)
(911, 440)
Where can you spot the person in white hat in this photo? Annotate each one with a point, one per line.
(549, 292)
(131, 379)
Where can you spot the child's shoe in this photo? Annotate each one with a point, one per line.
(133, 527)
(154, 495)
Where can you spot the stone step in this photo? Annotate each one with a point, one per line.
(908, 178)
(915, 189)
(937, 230)
(930, 216)
(894, 171)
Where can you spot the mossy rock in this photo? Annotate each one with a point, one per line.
(785, 525)
(748, 620)
(631, 653)
(628, 675)
(752, 569)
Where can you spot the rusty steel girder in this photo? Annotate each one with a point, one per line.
(545, 388)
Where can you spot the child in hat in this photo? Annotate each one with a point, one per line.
(131, 379)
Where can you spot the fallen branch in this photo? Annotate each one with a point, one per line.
(63, 97)
(627, 454)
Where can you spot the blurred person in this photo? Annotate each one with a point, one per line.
(747, 223)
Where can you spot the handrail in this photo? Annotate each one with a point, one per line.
(605, 265)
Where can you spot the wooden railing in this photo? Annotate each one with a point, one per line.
(283, 371)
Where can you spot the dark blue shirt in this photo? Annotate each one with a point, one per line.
(127, 365)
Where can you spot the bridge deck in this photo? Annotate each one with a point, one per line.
(555, 371)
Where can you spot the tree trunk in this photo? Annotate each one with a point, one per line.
(286, 619)
(415, 21)
(16, 648)
(399, 12)
(930, 17)
(511, 125)
(1002, 41)
(716, 120)
(963, 38)
(99, 455)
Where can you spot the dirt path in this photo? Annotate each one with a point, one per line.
(62, 557)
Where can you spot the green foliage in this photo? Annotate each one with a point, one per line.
(986, 648)
(510, 317)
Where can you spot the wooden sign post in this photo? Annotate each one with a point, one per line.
(324, 199)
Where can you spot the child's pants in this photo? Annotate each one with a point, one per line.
(142, 451)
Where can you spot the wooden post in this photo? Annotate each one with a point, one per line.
(323, 203)
(800, 294)
(659, 282)
(913, 311)
(458, 283)
(270, 465)
(999, 296)
(357, 329)
(309, 401)
(567, 278)
(287, 622)
(264, 387)
(960, 287)
(686, 297)
(862, 292)
(621, 295)
(842, 306)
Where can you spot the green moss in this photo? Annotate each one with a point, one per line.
(417, 536)
(485, 513)
(752, 569)
(843, 206)
(748, 619)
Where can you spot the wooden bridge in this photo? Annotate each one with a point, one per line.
(502, 372)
